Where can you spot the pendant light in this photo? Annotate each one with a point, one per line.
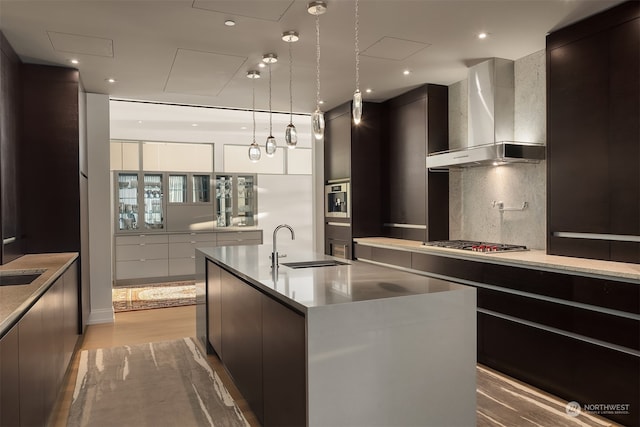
(356, 106)
(317, 8)
(290, 134)
(254, 148)
(271, 145)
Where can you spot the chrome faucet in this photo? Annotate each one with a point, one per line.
(274, 254)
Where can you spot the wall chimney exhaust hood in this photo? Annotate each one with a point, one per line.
(490, 127)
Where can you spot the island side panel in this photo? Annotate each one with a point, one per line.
(201, 301)
(396, 361)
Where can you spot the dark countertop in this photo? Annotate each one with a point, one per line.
(17, 299)
(309, 288)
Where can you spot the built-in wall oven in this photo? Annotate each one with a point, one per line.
(337, 203)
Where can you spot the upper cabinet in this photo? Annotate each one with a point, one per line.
(593, 148)
(416, 201)
(352, 153)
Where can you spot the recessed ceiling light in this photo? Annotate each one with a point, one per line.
(262, 65)
(139, 121)
(74, 61)
(110, 80)
(243, 128)
(321, 102)
(406, 72)
(194, 124)
(369, 90)
(230, 23)
(483, 36)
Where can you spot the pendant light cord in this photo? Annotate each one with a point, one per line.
(290, 84)
(317, 61)
(253, 88)
(357, 49)
(270, 113)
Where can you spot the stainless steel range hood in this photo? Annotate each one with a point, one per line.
(490, 122)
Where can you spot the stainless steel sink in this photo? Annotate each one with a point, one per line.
(24, 278)
(310, 264)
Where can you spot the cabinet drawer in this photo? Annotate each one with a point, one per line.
(187, 250)
(141, 239)
(141, 269)
(192, 237)
(238, 236)
(141, 252)
(182, 266)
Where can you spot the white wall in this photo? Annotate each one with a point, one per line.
(100, 208)
(471, 191)
(283, 197)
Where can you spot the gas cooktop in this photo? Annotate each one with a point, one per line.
(470, 245)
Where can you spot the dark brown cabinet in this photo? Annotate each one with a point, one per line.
(284, 365)
(9, 379)
(416, 201)
(353, 153)
(590, 325)
(593, 148)
(261, 342)
(36, 352)
(9, 135)
(33, 351)
(214, 308)
(242, 338)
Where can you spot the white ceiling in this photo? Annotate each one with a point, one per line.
(180, 51)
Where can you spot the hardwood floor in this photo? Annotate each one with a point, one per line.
(502, 401)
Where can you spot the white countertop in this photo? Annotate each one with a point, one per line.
(17, 299)
(537, 259)
(307, 288)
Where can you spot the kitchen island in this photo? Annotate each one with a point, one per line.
(352, 344)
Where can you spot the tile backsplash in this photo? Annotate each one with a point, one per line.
(472, 190)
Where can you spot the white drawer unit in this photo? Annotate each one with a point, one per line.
(182, 251)
(140, 256)
(163, 255)
(230, 238)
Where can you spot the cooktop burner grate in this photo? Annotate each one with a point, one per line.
(475, 246)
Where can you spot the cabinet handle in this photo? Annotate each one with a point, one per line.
(398, 225)
(8, 240)
(598, 236)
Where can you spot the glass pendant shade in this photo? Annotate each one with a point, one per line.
(357, 107)
(254, 152)
(317, 123)
(291, 136)
(270, 146)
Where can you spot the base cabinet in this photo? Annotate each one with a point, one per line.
(574, 336)
(9, 379)
(35, 354)
(242, 338)
(262, 344)
(147, 257)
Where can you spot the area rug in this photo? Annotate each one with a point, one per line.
(149, 296)
(157, 384)
(503, 401)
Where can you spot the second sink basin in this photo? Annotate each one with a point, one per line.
(12, 279)
(319, 263)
